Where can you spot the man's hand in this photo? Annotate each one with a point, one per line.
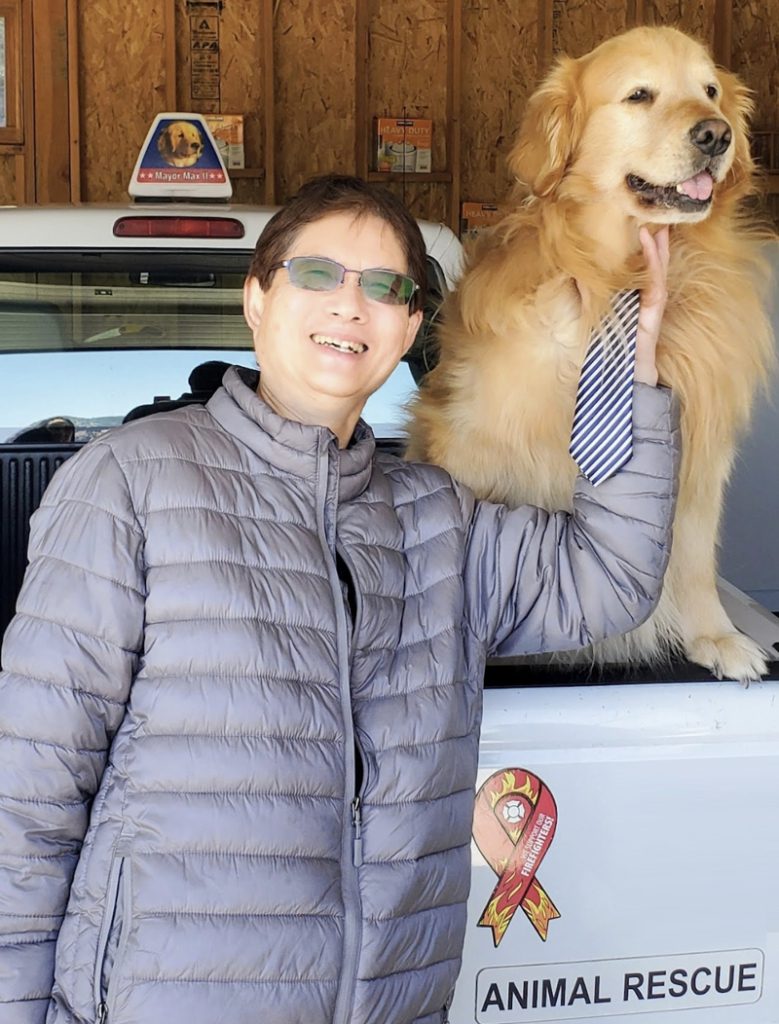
(653, 299)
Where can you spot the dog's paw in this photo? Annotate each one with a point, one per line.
(730, 656)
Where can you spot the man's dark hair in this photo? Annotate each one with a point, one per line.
(339, 193)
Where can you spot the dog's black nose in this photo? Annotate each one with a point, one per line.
(712, 137)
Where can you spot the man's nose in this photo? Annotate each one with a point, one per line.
(348, 299)
(712, 136)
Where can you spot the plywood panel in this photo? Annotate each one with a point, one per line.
(52, 136)
(696, 17)
(407, 65)
(241, 76)
(314, 86)
(579, 25)
(122, 87)
(7, 179)
(756, 57)
(499, 71)
(124, 52)
(425, 201)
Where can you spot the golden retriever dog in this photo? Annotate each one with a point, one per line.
(180, 144)
(642, 130)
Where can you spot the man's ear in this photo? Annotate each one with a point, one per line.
(550, 131)
(253, 302)
(414, 323)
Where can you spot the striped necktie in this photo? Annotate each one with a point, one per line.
(602, 434)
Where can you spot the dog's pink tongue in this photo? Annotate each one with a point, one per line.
(700, 187)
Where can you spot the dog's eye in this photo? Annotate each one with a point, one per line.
(640, 96)
(712, 92)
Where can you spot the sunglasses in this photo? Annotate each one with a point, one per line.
(317, 274)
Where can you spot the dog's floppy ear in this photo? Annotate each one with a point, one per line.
(550, 131)
(737, 106)
(163, 142)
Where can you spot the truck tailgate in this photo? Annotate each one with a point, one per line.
(625, 852)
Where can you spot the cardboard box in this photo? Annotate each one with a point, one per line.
(404, 145)
(227, 130)
(475, 217)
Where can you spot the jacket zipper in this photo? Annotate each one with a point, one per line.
(109, 914)
(350, 887)
(358, 747)
(357, 825)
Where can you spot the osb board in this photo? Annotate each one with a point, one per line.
(240, 65)
(314, 87)
(7, 180)
(407, 65)
(499, 71)
(756, 57)
(425, 201)
(122, 87)
(248, 190)
(695, 17)
(579, 25)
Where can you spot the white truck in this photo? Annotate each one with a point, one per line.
(625, 853)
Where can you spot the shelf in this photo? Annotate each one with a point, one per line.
(246, 172)
(365, 108)
(432, 176)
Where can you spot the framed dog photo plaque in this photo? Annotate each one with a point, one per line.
(180, 159)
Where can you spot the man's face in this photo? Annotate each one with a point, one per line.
(323, 353)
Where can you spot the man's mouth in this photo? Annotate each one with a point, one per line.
(339, 344)
(693, 194)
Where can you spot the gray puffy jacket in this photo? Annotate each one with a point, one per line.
(240, 711)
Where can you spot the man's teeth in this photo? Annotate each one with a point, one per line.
(339, 343)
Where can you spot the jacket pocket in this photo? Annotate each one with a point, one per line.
(114, 927)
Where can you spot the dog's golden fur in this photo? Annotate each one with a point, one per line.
(497, 410)
(180, 144)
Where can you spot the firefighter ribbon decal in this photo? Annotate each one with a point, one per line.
(514, 823)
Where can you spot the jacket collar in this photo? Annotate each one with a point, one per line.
(287, 445)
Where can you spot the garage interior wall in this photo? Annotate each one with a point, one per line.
(309, 77)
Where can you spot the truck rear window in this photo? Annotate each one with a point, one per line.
(88, 340)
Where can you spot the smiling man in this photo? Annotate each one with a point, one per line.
(237, 772)
(327, 337)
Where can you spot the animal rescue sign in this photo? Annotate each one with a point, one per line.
(603, 988)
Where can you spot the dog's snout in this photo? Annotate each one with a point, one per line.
(712, 136)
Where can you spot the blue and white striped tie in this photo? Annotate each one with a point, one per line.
(602, 433)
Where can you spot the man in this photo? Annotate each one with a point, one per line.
(259, 644)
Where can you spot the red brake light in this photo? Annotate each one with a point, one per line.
(178, 227)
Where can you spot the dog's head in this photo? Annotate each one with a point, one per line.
(180, 143)
(645, 121)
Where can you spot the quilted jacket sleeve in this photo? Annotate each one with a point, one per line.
(539, 581)
(69, 656)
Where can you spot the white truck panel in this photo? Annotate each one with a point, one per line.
(661, 860)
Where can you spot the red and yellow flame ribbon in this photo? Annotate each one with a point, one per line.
(513, 824)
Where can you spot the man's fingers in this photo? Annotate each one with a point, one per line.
(663, 248)
(656, 251)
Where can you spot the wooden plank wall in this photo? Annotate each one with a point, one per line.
(242, 68)
(314, 86)
(7, 178)
(126, 51)
(407, 61)
(122, 85)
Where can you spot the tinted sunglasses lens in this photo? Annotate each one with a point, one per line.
(314, 274)
(384, 286)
